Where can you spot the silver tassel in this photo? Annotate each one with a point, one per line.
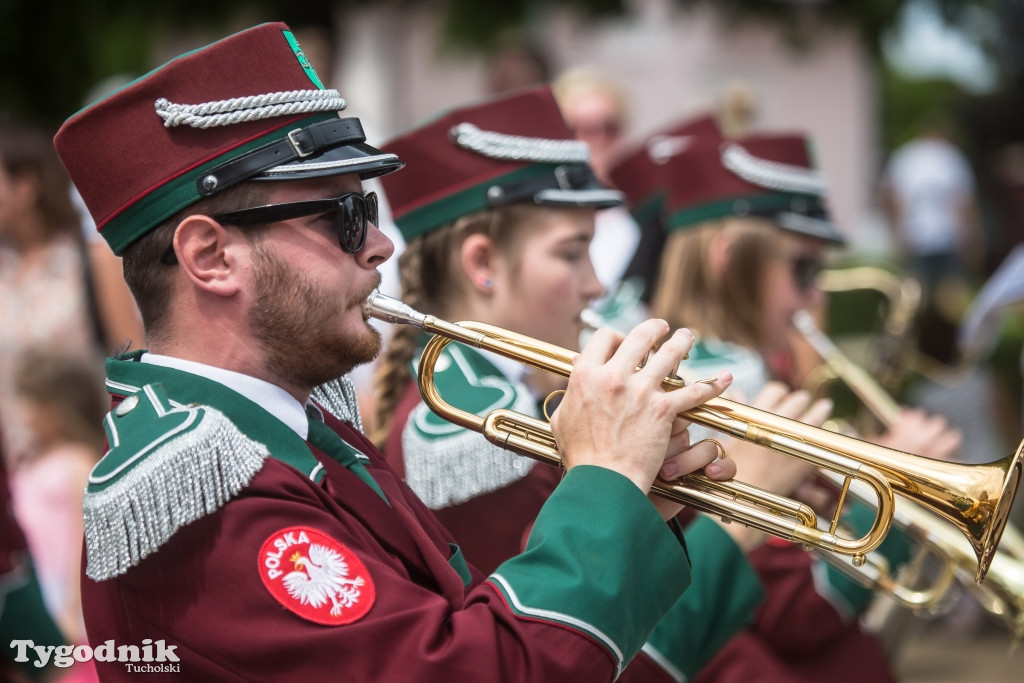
(178, 483)
(461, 464)
(340, 399)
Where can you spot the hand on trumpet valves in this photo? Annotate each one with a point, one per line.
(914, 431)
(617, 416)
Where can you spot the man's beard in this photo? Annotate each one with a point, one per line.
(293, 320)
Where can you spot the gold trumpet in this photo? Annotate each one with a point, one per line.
(876, 399)
(1003, 593)
(974, 498)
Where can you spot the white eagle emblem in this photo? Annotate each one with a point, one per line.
(325, 578)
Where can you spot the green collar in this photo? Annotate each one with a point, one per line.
(128, 375)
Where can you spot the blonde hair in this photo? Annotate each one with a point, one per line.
(588, 79)
(724, 305)
(433, 281)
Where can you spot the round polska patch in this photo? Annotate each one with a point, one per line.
(315, 576)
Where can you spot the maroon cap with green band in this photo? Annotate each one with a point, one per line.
(639, 172)
(768, 176)
(511, 149)
(248, 107)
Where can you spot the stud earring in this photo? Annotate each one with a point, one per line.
(486, 283)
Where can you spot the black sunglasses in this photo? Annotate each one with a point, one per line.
(806, 270)
(353, 211)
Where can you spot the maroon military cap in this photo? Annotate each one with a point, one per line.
(515, 148)
(639, 171)
(248, 107)
(770, 176)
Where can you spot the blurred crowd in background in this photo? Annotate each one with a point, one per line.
(925, 172)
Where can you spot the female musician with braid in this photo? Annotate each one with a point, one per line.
(501, 236)
(748, 228)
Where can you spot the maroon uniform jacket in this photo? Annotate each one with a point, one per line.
(260, 557)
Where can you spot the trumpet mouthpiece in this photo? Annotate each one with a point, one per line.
(592, 319)
(391, 310)
(804, 322)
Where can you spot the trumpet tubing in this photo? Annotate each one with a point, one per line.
(1001, 594)
(974, 498)
(876, 573)
(885, 408)
(870, 393)
(904, 297)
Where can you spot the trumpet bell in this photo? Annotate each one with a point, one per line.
(985, 518)
(974, 498)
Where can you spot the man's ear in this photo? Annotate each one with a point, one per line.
(208, 254)
(478, 257)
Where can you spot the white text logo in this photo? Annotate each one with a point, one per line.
(66, 655)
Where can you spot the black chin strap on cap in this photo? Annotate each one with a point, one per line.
(298, 144)
(572, 184)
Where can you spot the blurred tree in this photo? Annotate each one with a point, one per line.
(478, 25)
(905, 101)
(800, 20)
(53, 53)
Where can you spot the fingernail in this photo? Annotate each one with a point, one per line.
(669, 470)
(713, 469)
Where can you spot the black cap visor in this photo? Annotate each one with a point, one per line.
(566, 185)
(820, 227)
(358, 157)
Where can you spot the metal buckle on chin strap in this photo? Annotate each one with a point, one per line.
(299, 143)
(293, 137)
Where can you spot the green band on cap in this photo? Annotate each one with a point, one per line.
(649, 209)
(303, 60)
(162, 203)
(742, 205)
(432, 216)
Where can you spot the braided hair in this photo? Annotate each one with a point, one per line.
(432, 281)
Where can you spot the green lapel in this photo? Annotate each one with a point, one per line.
(467, 380)
(129, 376)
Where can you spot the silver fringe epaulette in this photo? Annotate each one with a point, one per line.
(340, 399)
(449, 469)
(167, 467)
